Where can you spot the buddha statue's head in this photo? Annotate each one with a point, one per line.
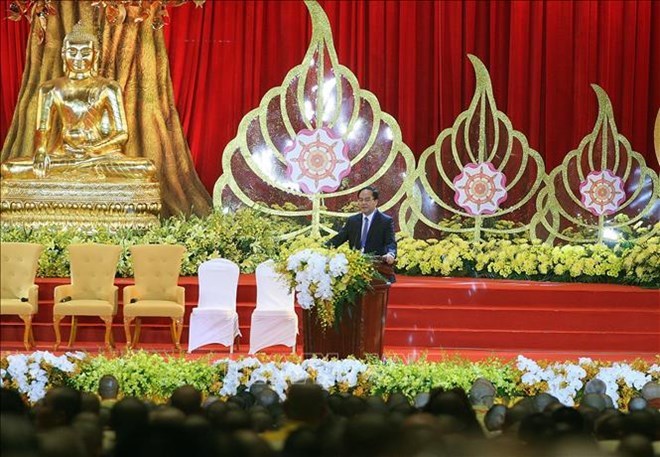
(79, 53)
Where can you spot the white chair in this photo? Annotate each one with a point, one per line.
(274, 321)
(215, 319)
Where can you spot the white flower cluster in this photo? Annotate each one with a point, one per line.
(29, 373)
(566, 379)
(280, 375)
(621, 371)
(333, 372)
(315, 274)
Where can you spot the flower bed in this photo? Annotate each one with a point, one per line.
(154, 376)
(248, 239)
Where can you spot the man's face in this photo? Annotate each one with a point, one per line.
(79, 57)
(367, 202)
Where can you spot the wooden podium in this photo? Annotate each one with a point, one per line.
(360, 330)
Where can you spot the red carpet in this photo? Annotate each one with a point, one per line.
(436, 316)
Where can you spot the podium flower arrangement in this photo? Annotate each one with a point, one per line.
(325, 279)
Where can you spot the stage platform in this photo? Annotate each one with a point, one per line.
(436, 317)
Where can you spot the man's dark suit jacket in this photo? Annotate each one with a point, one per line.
(380, 238)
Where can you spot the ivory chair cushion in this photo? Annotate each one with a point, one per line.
(85, 308)
(156, 269)
(18, 267)
(153, 308)
(15, 306)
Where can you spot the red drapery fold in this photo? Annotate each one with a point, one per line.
(542, 57)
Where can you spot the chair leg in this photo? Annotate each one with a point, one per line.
(177, 329)
(74, 330)
(56, 326)
(108, 331)
(127, 331)
(27, 333)
(173, 330)
(138, 330)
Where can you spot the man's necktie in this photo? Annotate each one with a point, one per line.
(365, 229)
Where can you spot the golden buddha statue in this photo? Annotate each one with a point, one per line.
(89, 110)
(79, 174)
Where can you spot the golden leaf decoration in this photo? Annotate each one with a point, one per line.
(478, 173)
(115, 11)
(317, 95)
(624, 197)
(30, 9)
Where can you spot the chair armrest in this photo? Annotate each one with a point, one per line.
(130, 292)
(33, 297)
(181, 296)
(114, 298)
(62, 291)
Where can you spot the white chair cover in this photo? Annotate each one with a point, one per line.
(215, 319)
(274, 321)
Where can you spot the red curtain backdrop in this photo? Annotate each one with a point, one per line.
(542, 57)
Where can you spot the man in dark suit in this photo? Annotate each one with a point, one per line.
(371, 231)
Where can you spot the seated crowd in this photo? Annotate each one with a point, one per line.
(311, 422)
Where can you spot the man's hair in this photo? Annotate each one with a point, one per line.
(187, 399)
(11, 402)
(305, 403)
(108, 387)
(494, 418)
(374, 191)
(65, 403)
(482, 392)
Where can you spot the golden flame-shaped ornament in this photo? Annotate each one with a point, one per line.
(479, 173)
(313, 142)
(602, 191)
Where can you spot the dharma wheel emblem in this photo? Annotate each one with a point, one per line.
(602, 192)
(480, 188)
(317, 160)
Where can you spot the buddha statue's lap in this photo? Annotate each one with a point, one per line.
(80, 138)
(109, 167)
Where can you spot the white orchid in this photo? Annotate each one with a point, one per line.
(315, 274)
(565, 380)
(29, 373)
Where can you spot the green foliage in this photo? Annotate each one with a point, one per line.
(147, 375)
(248, 238)
(242, 237)
(422, 376)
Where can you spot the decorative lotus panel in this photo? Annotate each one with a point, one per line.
(479, 177)
(602, 191)
(313, 143)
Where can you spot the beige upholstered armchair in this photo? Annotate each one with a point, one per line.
(155, 293)
(92, 291)
(19, 295)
